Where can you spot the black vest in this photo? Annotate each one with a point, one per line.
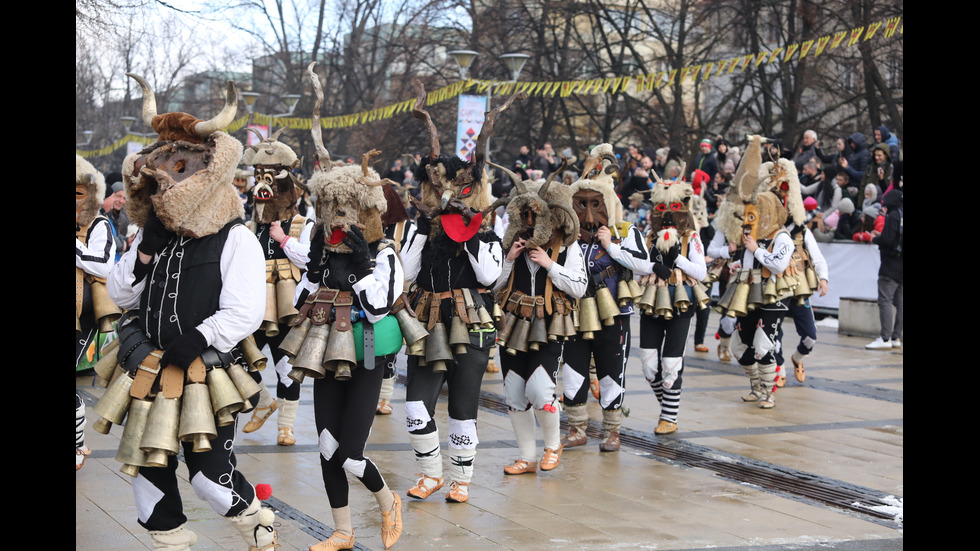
(270, 248)
(182, 289)
(445, 266)
(522, 275)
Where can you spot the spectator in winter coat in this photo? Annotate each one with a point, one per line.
(879, 172)
(860, 158)
(890, 243)
(809, 149)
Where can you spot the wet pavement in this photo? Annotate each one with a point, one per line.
(823, 469)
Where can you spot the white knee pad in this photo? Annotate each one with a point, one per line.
(762, 343)
(146, 496)
(727, 325)
(515, 391)
(609, 391)
(328, 444)
(672, 370)
(416, 416)
(540, 389)
(572, 380)
(282, 371)
(649, 357)
(219, 497)
(355, 467)
(462, 434)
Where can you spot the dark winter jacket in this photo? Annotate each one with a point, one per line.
(860, 158)
(891, 241)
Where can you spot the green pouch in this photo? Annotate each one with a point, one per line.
(387, 337)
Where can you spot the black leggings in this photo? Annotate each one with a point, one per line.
(344, 412)
(610, 347)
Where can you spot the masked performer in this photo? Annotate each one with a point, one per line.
(453, 259)
(348, 338)
(95, 251)
(193, 282)
(666, 319)
(764, 251)
(543, 273)
(285, 239)
(613, 250)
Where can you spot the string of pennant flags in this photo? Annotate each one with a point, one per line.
(609, 85)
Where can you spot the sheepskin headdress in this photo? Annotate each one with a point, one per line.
(94, 184)
(781, 178)
(756, 209)
(600, 174)
(276, 188)
(185, 177)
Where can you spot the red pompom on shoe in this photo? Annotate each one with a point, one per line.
(263, 491)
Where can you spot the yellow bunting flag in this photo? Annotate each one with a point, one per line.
(892, 25)
(790, 50)
(746, 60)
(722, 65)
(759, 57)
(821, 44)
(872, 29)
(855, 36)
(838, 37)
(772, 56)
(707, 70)
(805, 48)
(670, 77)
(617, 82)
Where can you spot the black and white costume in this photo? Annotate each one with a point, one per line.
(530, 377)
(214, 285)
(802, 314)
(439, 267)
(95, 252)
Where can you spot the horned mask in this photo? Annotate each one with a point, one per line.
(186, 176)
(541, 214)
(754, 209)
(89, 191)
(276, 188)
(672, 215)
(455, 193)
(345, 195)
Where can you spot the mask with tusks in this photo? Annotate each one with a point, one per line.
(276, 188)
(539, 213)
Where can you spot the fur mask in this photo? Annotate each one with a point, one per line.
(780, 177)
(599, 176)
(185, 177)
(345, 195)
(89, 191)
(276, 187)
(541, 214)
(672, 206)
(455, 193)
(754, 209)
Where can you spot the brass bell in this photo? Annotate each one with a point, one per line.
(570, 329)
(309, 360)
(556, 328)
(129, 452)
(606, 306)
(470, 309)
(538, 334)
(293, 340)
(755, 295)
(270, 321)
(645, 304)
(663, 306)
(726, 298)
(769, 291)
(510, 320)
(486, 320)
(498, 312)
(459, 335)
(811, 278)
(285, 311)
(341, 354)
(588, 317)
(253, 356)
(225, 398)
(437, 352)
(105, 310)
(682, 301)
(160, 436)
(114, 404)
(107, 363)
(197, 418)
(635, 290)
(701, 297)
(246, 385)
(739, 305)
(518, 337)
(782, 287)
(417, 348)
(412, 329)
(623, 293)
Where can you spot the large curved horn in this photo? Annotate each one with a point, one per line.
(257, 135)
(564, 207)
(521, 188)
(149, 99)
(680, 177)
(275, 135)
(224, 118)
(503, 201)
(419, 113)
(748, 170)
(322, 155)
(551, 177)
(366, 159)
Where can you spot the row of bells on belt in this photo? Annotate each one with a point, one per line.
(656, 299)
(106, 311)
(314, 350)
(278, 306)
(743, 297)
(155, 427)
(522, 335)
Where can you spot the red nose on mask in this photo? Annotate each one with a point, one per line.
(337, 236)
